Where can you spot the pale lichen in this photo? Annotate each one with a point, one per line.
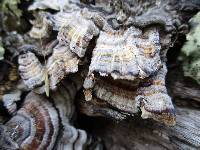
(12, 11)
(2, 51)
(191, 50)
(11, 6)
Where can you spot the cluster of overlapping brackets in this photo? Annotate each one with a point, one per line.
(114, 52)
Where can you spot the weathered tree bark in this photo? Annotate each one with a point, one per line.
(183, 87)
(143, 134)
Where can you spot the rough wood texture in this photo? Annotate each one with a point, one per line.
(119, 49)
(184, 88)
(184, 91)
(141, 135)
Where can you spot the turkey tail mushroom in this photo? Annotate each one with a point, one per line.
(70, 137)
(121, 62)
(31, 70)
(36, 124)
(61, 63)
(77, 32)
(128, 54)
(153, 100)
(42, 26)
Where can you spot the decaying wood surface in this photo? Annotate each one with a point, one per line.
(141, 135)
(93, 74)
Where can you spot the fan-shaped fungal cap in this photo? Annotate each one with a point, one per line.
(36, 124)
(61, 63)
(9, 101)
(117, 93)
(49, 4)
(77, 32)
(154, 101)
(31, 70)
(5, 141)
(148, 95)
(64, 98)
(126, 54)
(72, 139)
(42, 26)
